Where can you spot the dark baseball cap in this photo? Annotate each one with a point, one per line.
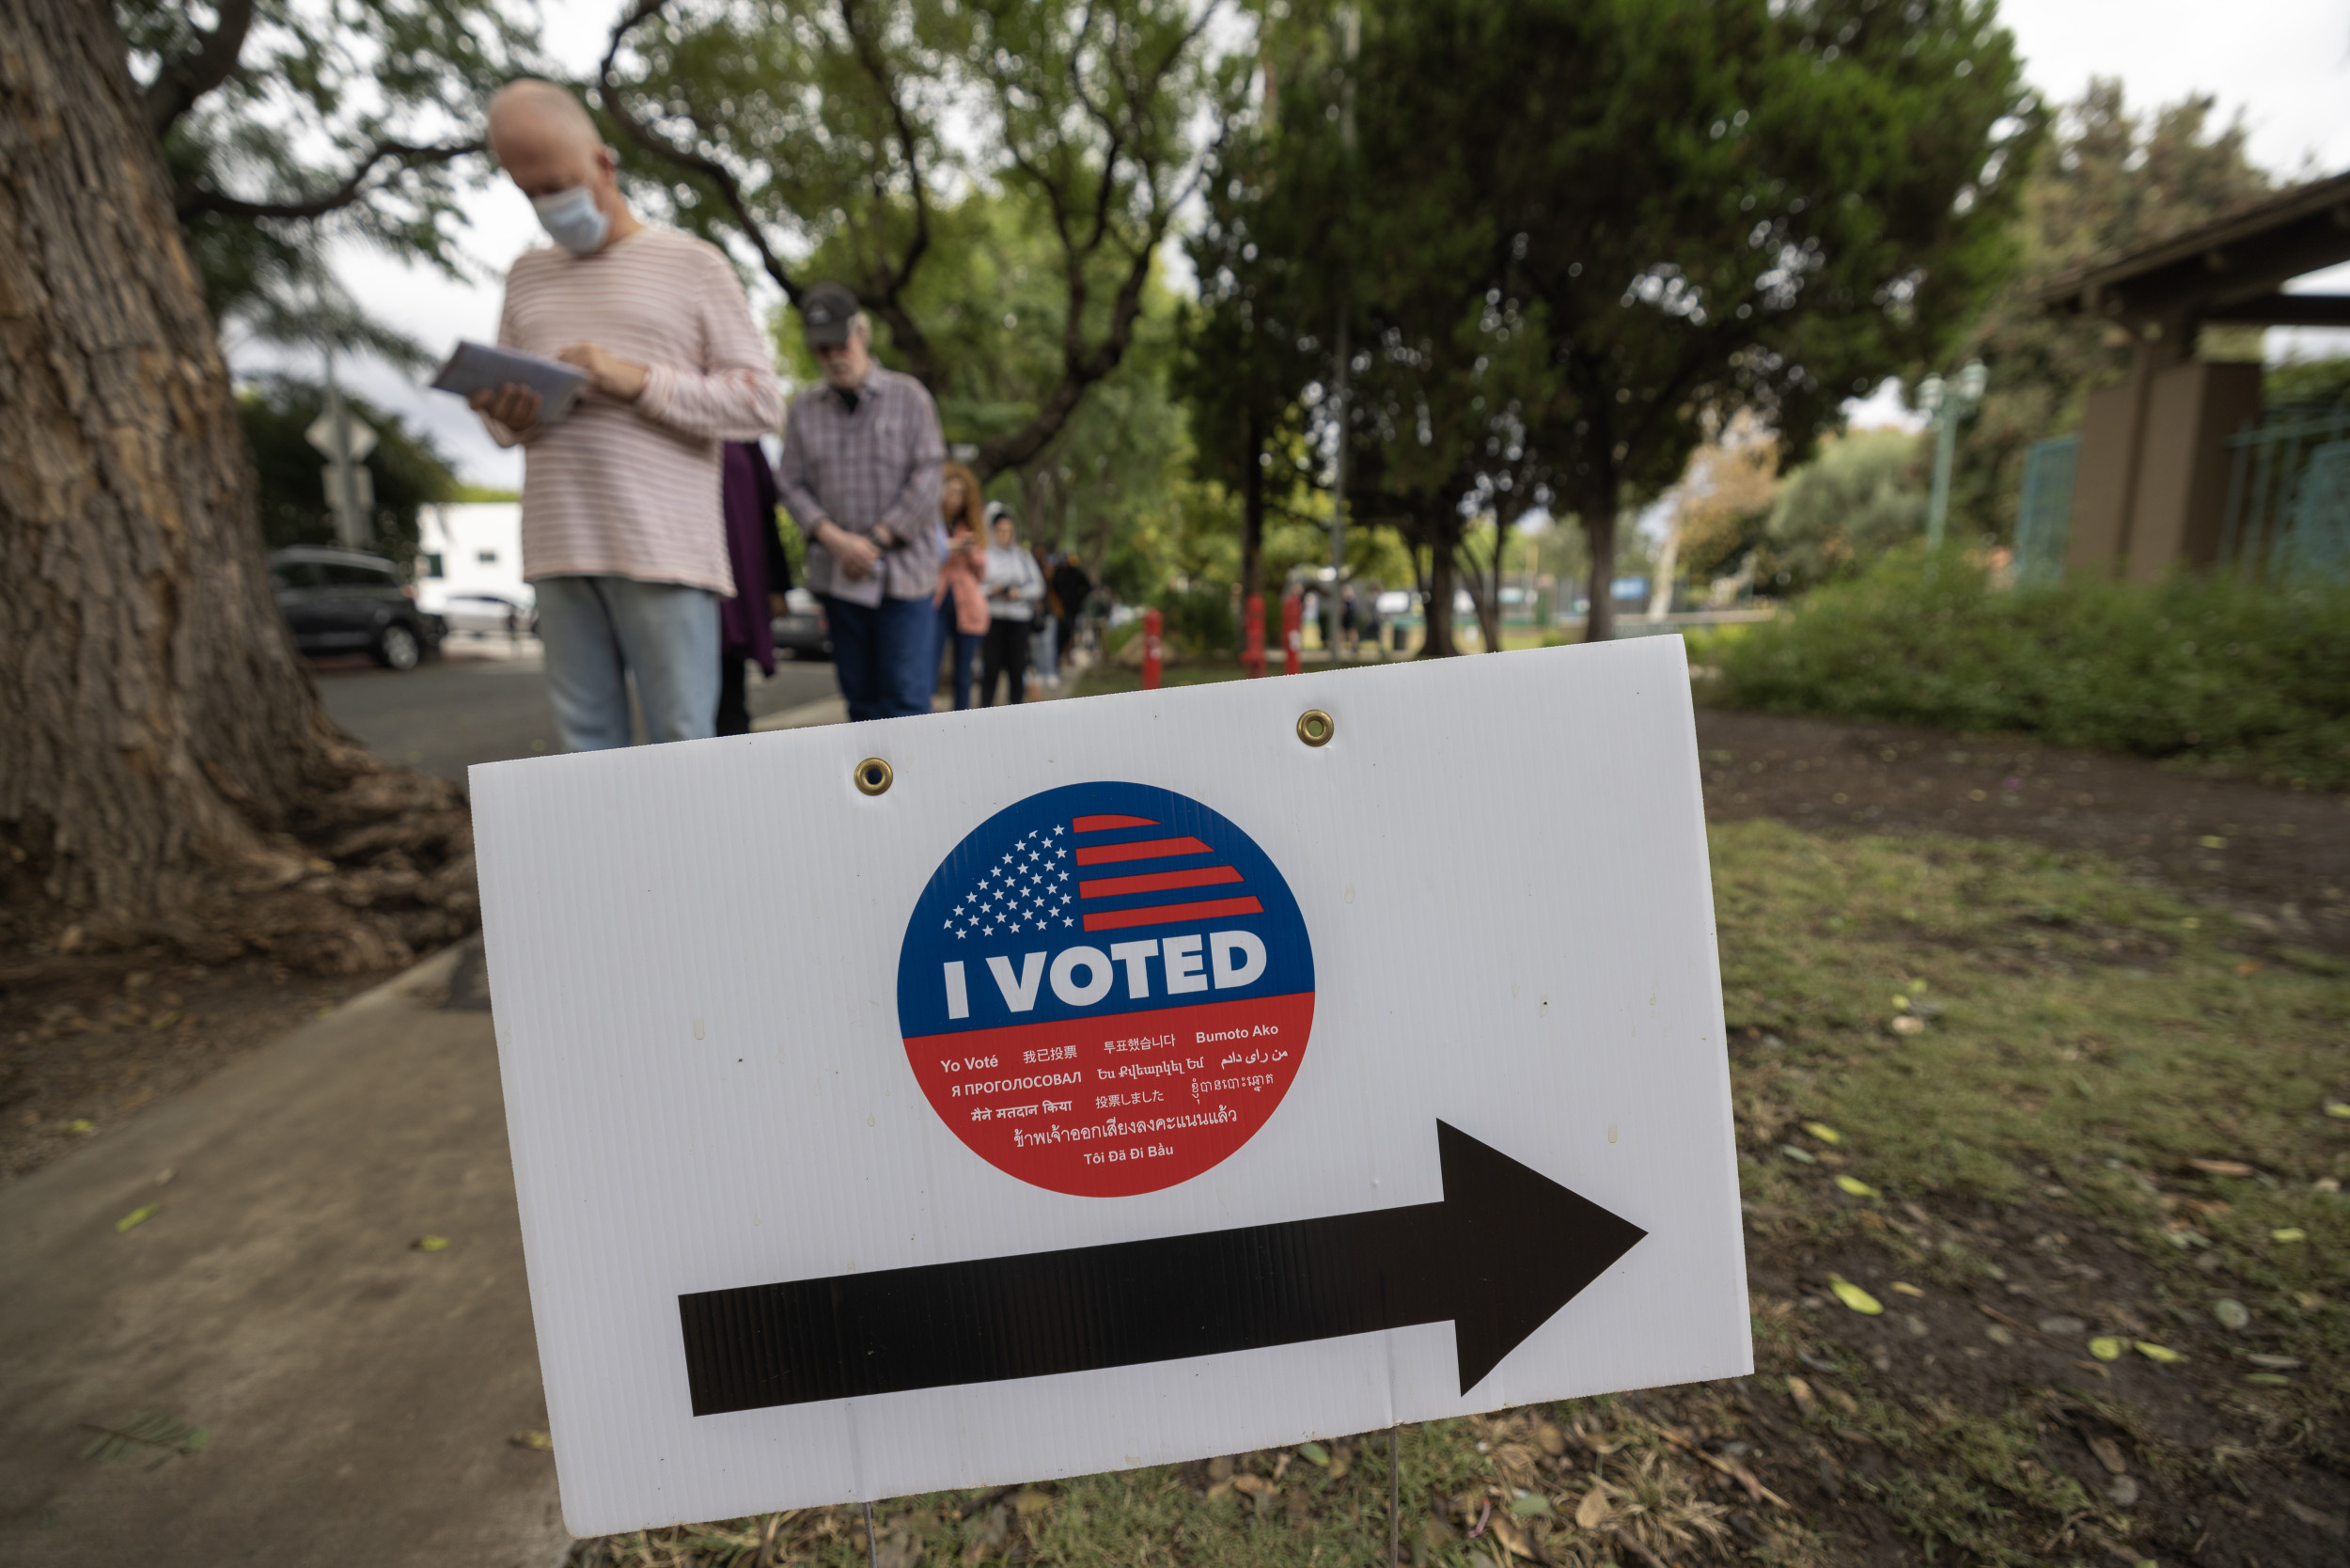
(825, 312)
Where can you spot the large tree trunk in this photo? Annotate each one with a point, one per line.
(1599, 530)
(166, 768)
(1443, 583)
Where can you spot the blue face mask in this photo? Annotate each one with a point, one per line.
(572, 220)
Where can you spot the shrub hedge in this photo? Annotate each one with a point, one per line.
(2234, 675)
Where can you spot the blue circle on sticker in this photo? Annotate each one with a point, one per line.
(1105, 988)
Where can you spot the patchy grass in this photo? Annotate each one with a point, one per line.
(2025, 1152)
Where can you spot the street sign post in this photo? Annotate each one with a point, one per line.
(345, 442)
(988, 1097)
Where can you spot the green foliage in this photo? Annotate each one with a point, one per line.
(816, 133)
(2107, 182)
(2213, 669)
(2308, 382)
(275, 115)
(1862, 497)
(1773, 207)
(1199, 622)
(409, 472)
(148, 1434)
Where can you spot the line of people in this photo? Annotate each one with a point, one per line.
(649, 509)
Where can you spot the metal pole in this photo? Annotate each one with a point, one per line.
(1395, 1497)
(872, 1546)
(1945, 448)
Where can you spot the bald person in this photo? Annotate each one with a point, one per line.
(623, 529)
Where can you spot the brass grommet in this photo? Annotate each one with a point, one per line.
(1314, 727)
(873, 776)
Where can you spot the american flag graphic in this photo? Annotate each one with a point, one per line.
(1044, 880)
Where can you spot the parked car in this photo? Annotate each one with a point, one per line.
(479, 610)
(800, 631)
(342, 601)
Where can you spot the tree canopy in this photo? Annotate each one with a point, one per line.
(1682, 208)
(840, 140)
(281, 119)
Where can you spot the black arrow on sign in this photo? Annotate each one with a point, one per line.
(1503, 1250)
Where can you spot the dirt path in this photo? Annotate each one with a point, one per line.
(2279, 858)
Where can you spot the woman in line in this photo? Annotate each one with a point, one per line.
(961, 596)
(1014, 588)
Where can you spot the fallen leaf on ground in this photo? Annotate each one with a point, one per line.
(2289, 1233)
(2268, 1380)
(1909, 1024)
(2338, 1109)
(1255, 1487)
(1854, 1296)
(1594, 1508)
(2063, 1327)
(81, 1124)
(2231, 1314)
(1855, 1186)
(2124, 1491)
(2000, 1334)
(2248, 968)
(139, 1216)
(1825, 1133)
(2163, 1354)
(2109, 1453)
(1800, 1391)
(2275, 1363)
(1510, 1534)
(1905, 1288)
(2105, 1347)
(1033, 1501)
(540, 1440)
(2221, 1168)
(1313, 1454)
(1802, 1155)
(430, 1243)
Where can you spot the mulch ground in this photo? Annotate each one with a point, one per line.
(87, 1040)
(2279, 858)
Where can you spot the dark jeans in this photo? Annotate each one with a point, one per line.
(942, 634)
(734, 711)
(1007, 654)
(966, 654)
(883, 655)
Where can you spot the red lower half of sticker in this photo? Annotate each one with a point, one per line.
(1114, 1105)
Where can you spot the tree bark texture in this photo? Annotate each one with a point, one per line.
(166, 768)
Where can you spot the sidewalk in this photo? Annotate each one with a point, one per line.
(360, 1395)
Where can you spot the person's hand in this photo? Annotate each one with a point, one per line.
(607, 373)
(779, 605)
(856, 554)
(513, 406)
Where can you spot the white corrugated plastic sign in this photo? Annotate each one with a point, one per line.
(1128, 1081)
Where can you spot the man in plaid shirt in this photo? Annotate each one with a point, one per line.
(861, 464)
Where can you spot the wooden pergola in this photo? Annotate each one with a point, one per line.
(2150, 488)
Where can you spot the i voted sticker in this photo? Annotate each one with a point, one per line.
(1105, 989)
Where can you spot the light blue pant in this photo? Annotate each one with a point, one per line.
(600, 631)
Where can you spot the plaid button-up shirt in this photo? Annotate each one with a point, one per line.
(878, 466)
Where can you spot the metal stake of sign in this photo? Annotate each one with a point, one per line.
(872, 1546)
(1945, 403)
(1395, 1497)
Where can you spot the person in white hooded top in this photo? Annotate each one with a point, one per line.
(1014, 588)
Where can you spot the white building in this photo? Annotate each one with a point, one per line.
(469, 564)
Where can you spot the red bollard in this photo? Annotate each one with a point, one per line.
(1252, 650)
(1293, 632)
(1151, 651)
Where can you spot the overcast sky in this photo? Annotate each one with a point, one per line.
(2284, 65)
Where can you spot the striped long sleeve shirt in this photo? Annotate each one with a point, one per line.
(632, 489)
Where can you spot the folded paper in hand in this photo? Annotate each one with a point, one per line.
(477, 367)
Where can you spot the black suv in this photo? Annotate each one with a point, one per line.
(342, 601)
